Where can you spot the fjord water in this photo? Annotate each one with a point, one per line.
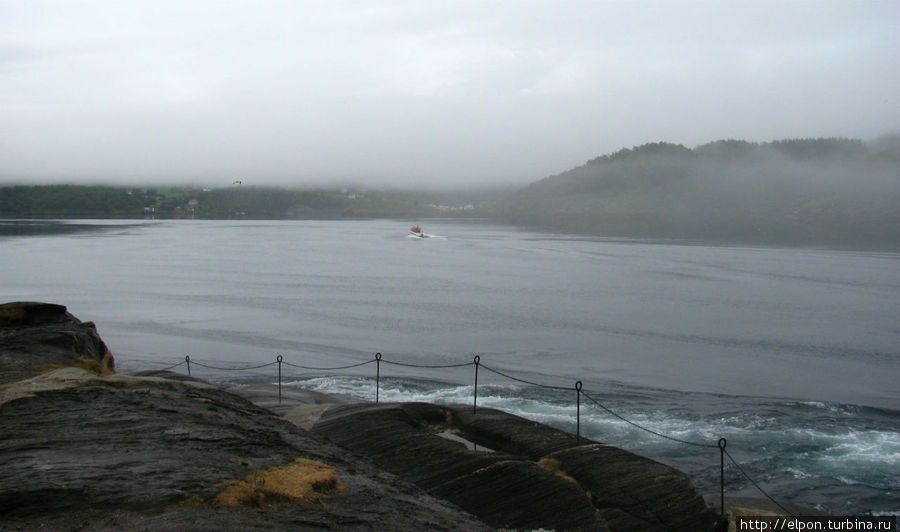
(792, 355)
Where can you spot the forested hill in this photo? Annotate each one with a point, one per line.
(806, 191)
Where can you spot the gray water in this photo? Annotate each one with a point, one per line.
(793, 355)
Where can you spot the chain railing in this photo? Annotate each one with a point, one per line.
(378, 359)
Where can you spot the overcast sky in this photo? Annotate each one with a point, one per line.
(443, 92)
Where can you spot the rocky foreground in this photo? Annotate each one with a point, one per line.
(82, 447)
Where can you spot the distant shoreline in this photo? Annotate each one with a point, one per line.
(46, 225)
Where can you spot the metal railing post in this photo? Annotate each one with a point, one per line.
(578, 412)
(187, 360)
(475, 398)
(377, 375)
(279, 358)
(722, 443)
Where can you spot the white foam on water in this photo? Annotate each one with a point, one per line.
(502, 397)
(860, 447)
(835, 408)
(762, 443)
(357, 388)
(847, 481)
(798, 474)
(595, 423)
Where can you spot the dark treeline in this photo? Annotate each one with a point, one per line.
(106, 201)
(805, 191)
(70, 201)
(263, 202)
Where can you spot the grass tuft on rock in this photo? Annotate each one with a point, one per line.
(97, 367)
(553, 465)
(301, 481)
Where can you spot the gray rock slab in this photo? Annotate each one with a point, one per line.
(127, 452)
(537, 477)
(33, 334)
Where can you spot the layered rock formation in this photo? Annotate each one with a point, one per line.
(36, 336)
(113, 452)
(533, 476)
(84, 448)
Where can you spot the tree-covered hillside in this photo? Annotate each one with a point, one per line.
(805, 191)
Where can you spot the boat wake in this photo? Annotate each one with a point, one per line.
(417, 233)
(423, 236)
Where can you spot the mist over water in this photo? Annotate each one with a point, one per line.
(790, 354)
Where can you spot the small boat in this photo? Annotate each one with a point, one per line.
(416, 231)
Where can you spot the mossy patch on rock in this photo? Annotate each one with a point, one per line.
(97, 367)
(40, 337)
(31, 313)
(301, 481)
(12, 314)
(553, 465)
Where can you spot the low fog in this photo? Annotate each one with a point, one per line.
(421, 94)
(801, 191)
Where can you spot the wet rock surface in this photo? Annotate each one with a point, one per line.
(536, 476)
(631, 492)
(152, 453)
(84, 449)
(34, 334)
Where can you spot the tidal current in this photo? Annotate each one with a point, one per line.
(792, 355)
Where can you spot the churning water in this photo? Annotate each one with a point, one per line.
(792, 355)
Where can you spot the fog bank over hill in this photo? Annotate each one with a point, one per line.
(811, 192)
(826, 191)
